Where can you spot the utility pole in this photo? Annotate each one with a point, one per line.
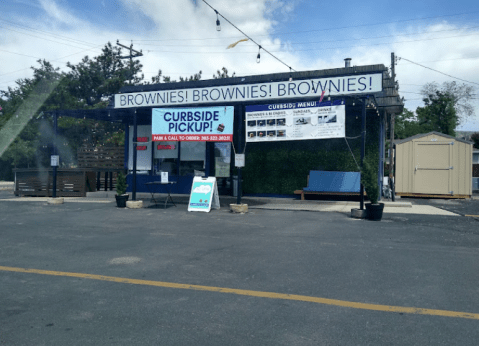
(391, 133)
(131, 56)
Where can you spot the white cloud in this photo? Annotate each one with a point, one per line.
(187, 41)
(56, 12)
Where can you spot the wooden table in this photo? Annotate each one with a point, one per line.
(168, 184)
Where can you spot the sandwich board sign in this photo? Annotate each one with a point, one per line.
(204, 195)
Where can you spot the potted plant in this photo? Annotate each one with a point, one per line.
(369, 179)
(121, 196)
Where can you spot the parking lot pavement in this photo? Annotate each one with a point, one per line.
(91, 273)
(462, 207)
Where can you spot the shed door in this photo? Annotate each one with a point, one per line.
(433, 167)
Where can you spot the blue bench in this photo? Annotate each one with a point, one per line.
(331, 183)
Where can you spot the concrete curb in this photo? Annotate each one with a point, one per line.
(358, 213)
(57, 200)
(239, 208)
(134, 204)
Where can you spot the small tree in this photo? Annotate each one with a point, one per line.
(120, 184)
(369, 179)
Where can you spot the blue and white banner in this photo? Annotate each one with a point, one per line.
(213, 124)
(295, 121)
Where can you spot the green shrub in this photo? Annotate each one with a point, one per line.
(369, 179)
(120, 184)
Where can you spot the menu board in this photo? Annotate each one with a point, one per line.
(295, 121)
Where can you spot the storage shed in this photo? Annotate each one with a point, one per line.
(433, 165)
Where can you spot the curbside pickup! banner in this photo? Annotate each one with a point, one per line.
(212, 124)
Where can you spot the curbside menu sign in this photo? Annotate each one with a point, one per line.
(295, 121)
(213, 124)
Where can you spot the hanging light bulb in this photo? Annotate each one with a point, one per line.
(218, 25)
(290, 75)
(258, 57)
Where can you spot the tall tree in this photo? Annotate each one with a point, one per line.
(406, 125)
(439, 113)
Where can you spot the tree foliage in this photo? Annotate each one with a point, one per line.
(223, 74)
(444, 109)
(89, 84)
(439, 113)
(475, 139)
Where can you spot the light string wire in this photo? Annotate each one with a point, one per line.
(256, 43)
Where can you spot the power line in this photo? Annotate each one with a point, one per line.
(326, 29)
(38, 58)
(319, 48)
(47, 33)
(314, 42)
(415, 63)
(43, 38)
(473, 57)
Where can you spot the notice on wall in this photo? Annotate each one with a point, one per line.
(222, 160)
(213, 124)
(204, 195)
(295, 121)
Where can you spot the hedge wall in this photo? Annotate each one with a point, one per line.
(282, 167)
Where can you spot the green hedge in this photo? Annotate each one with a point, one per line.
(282, 167)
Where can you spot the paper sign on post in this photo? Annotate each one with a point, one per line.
(239, 160)
(204, 195)
(164, 177)
(55, 160)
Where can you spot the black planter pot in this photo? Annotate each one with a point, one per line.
(374, 211)
(121, 200)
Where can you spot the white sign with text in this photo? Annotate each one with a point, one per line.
(295, 121)
(333, 86)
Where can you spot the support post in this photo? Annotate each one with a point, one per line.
(240, 150)
(391, 158)
(391, 135)
(135, 137)
(363, 149)
(55, 117)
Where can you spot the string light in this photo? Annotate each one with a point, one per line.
(218, 25)
(258, 57)
(290, 74)
(241, 31)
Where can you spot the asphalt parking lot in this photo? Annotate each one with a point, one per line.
(90, 273)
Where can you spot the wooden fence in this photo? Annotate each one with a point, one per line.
(39, 183)
(107, 160)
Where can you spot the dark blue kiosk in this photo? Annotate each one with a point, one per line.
(286, 124)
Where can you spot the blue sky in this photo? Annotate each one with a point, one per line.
(179, 37)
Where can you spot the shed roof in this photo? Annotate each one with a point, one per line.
(401, 141)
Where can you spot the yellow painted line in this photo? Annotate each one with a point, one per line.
(260, 294)
(472, 215)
